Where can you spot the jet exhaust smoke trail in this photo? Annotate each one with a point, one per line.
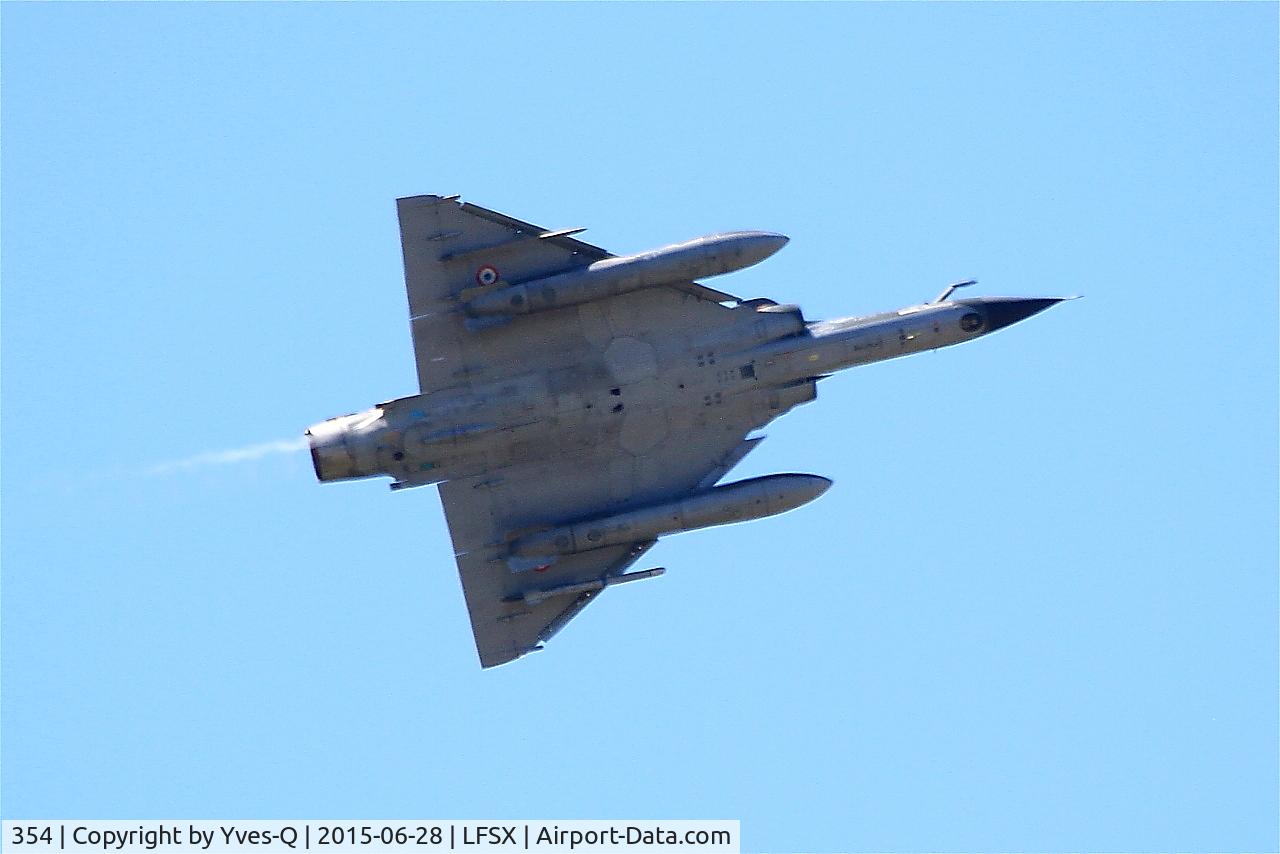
(235, 455)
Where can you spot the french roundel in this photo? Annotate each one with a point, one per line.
(487, 275)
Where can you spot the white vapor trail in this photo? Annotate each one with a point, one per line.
(235, 455)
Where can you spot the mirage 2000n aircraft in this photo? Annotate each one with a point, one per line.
(576, 405)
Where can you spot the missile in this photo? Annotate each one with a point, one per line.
(681, 262)
(734, 502)
(533, 597)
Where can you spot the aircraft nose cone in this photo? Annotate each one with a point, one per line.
(1006, 312)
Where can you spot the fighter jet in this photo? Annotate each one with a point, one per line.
(577, 405)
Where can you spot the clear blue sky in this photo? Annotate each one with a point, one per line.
(1038, 609)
